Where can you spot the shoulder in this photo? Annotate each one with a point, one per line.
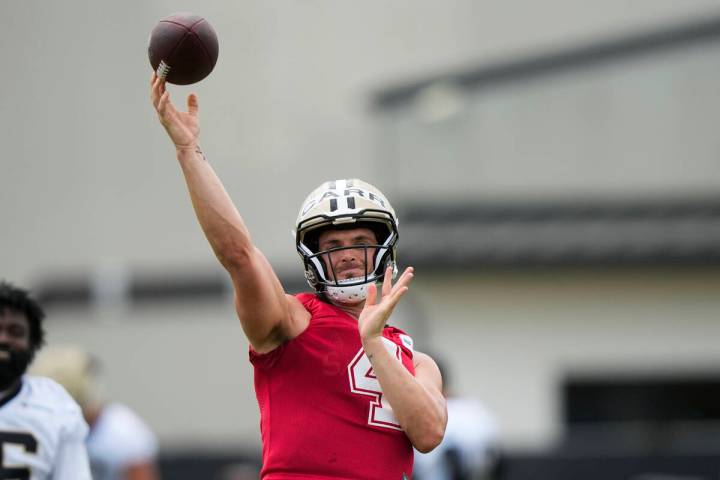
(46, 394)
(426, 361)
(308, 301)
(302, 307)
(426, 366)
(46, 406)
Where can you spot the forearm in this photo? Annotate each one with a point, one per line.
(220, 221)
(259, 297)
(420, 413)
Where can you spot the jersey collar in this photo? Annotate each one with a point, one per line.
(10, 393)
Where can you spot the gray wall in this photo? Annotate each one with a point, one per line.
(509, 338)
(89, 176)
(89, 182)
(636, 126)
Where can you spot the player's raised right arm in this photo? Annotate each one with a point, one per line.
(268, 316)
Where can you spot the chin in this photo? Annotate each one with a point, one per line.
(350, 303)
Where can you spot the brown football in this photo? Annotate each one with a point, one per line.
(183, 48)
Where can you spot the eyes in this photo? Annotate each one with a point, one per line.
(359, 242)
(14, 327)
(17, 331)
(14, 331)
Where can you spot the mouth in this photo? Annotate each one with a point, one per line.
(351, 272)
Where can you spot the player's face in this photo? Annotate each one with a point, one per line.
(348, 262)
(15, 347)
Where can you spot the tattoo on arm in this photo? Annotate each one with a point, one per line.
(199, 150)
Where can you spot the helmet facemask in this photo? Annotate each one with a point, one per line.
(333, 206)
(375, 258)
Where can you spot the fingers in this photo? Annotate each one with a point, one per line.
(192, 103)
(391, 295)
(157, 89)
(161, 99)
(371, 297)
(405, 278)
(393, 299)
(153, 89)
(400, 288)
(388, 289)
(162, 105)
(387, 282)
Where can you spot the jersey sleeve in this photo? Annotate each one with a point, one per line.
(269, 359)
(406, 344)
(72, 459)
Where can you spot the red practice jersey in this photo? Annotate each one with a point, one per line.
(322, 412)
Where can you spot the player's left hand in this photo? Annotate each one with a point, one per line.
(374, 316)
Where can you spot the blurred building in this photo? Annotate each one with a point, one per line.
(556, 177)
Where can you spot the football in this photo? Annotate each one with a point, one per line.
(183, 48)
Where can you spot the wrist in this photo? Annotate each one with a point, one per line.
(371, 342)
(189, 151)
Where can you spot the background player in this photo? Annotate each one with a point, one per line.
(42, 432)
(471, 447)
(120, 445)
(340, 393)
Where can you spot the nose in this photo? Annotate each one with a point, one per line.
(349, 254)
(7, 337)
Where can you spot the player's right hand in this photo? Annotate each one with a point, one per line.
(182, 127)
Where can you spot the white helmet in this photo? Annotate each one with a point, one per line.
(346, 204)
(73, 369)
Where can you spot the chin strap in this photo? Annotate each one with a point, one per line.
(353, 293)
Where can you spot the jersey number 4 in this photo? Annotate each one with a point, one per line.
(364, 382)
(25, 441)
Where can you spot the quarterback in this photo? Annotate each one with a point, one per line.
(342, 394)
(42, 432)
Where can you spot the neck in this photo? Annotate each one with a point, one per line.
(13, 386)
(352, 309)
